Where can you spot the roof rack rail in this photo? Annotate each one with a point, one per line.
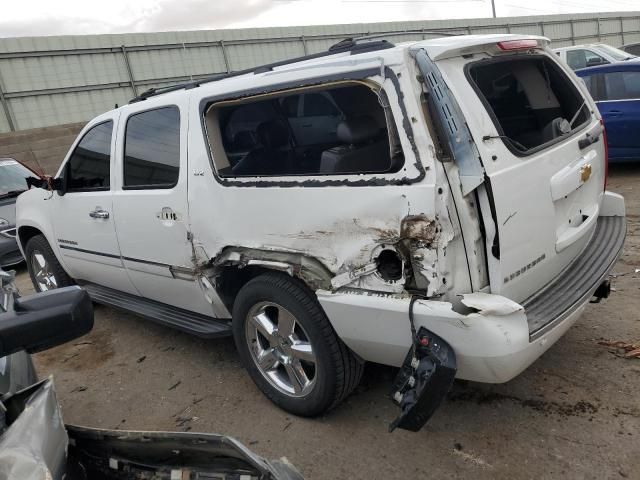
(408, 32)
(352, 45)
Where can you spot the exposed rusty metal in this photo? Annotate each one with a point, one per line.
(419, 228)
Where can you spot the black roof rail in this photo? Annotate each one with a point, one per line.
(408, 32)
(352, 45)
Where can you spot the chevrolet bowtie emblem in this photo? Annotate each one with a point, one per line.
(585, 172)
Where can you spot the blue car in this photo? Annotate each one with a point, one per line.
(616, 90)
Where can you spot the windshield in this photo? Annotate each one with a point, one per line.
(12, 176)
(615, 53)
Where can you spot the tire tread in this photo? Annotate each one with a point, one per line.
(40, 242)
(348, 367)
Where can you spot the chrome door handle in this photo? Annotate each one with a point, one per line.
(97, 213)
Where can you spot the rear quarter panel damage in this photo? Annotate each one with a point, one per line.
(343, 225)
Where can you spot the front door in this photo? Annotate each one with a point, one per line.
(83, 217)
(150, 201)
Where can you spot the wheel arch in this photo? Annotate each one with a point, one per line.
(235, 266)
(26, 233)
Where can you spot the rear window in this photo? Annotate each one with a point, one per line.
(332, 130)
(531, 101)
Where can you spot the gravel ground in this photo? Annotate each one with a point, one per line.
(574, 413)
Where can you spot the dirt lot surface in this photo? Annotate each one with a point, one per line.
(575, 413)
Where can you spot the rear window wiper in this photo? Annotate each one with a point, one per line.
(512, 141)
(575, 115)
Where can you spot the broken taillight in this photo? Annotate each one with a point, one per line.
(606, 154)
(521, 44)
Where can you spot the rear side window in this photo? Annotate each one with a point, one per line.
(589, 84)
(340, 130)
(89, 166)
(152, 149)
(531, 100)
(622, 85)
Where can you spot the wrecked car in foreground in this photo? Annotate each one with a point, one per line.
(35, 444)
(439, 206)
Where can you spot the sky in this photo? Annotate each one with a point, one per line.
(79, 17)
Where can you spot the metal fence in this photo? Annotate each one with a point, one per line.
(57, 80)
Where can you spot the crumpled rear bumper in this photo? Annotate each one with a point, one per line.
(500, 338)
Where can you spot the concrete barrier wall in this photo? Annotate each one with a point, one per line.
(42, 149)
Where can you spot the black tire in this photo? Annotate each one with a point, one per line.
(38, 243)
(338, 370)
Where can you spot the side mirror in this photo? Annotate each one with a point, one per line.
(44, 320)
(48, 183)
(593, 61)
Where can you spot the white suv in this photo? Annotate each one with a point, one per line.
(590, 55)
(453, 220)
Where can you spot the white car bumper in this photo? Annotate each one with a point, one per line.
(500, 338)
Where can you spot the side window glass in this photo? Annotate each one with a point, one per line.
(152, 149)
(593, 58)
(622, 85)
(589, 84)
(317, 105)
(89, 166)
(631, 82)
(576, 59)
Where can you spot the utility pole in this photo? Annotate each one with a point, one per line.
(493, 7)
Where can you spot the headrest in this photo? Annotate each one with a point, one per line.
(272, 134)
(357, 129)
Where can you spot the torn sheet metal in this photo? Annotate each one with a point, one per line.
(458, 137)
(181, 455)
(488, 304)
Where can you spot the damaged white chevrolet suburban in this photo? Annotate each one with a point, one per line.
(438, 206)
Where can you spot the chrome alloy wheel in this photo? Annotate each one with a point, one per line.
(281, 349)
(44, 277)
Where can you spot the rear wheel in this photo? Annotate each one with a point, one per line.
(44, 269)
(289, 347)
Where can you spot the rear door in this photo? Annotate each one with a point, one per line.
(620, 109)
(541, 200)
(150, 202)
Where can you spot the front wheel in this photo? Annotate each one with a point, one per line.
(289, 348)
(44, 269)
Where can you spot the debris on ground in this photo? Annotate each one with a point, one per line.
(470, 457)
(632, 349)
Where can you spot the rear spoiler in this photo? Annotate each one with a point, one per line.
(448, 47)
